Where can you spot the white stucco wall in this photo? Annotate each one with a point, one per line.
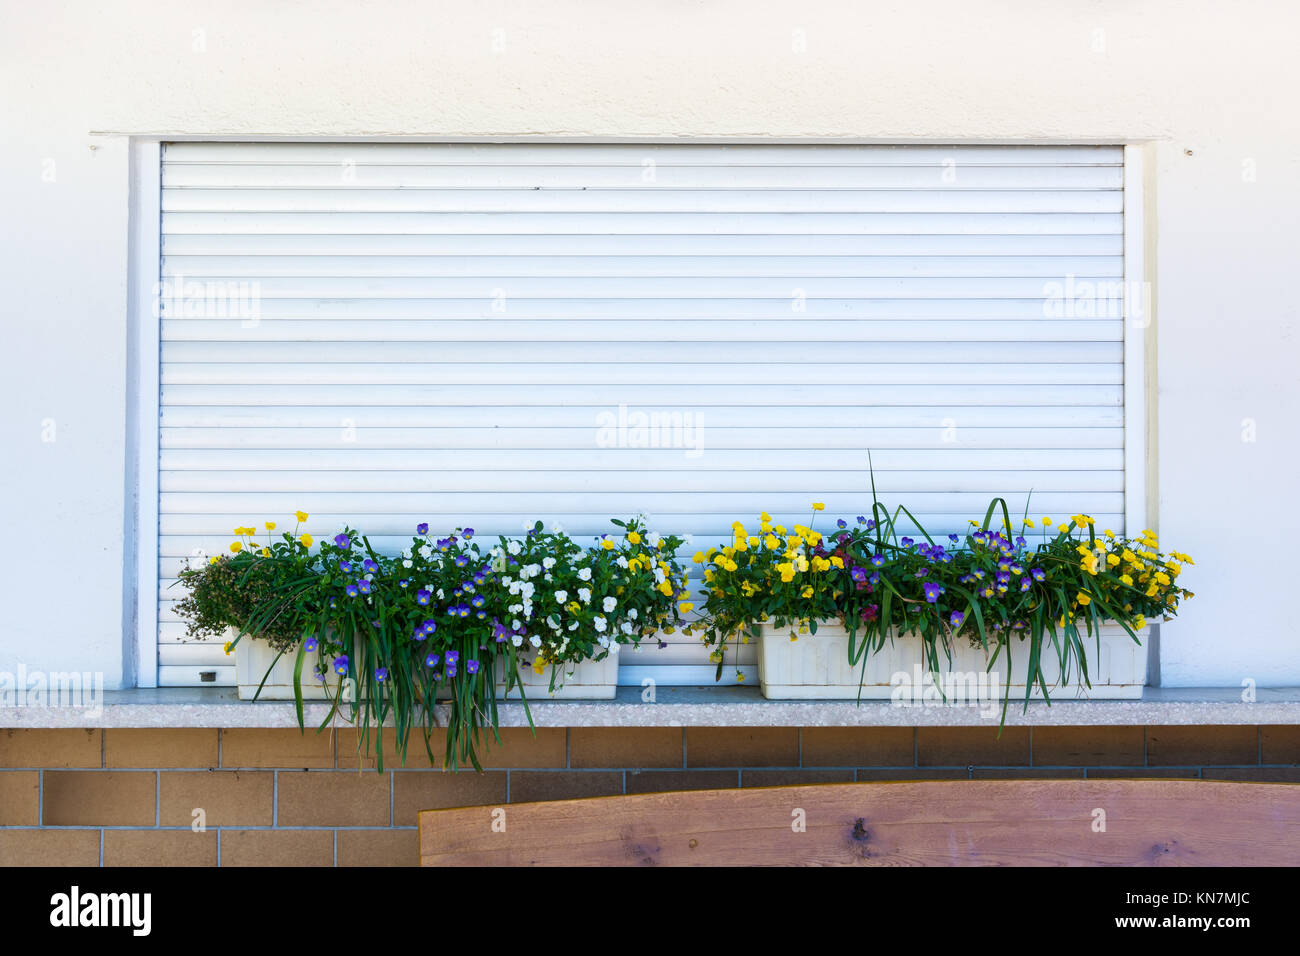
(1208, 85)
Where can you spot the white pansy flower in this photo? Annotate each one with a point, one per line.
(610, 603)
(561, 597)
(535, 641)
(584, 573)
(659, 575)
(408, 563)
(548, 563)
(517, 640)
(599, 624)
(621, 562)
(514, 547)
(632, 613)
(516, 625)
(426, 552)
(626, 628)
(557, 528)
(573, 626)
(653, 539)
(584, 595)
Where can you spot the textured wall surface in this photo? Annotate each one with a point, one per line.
(124, 797)
(1201, 83)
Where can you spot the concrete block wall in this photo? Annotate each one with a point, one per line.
(275, 797)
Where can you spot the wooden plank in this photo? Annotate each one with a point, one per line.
(962, 823)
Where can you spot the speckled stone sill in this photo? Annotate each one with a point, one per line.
(689, 707)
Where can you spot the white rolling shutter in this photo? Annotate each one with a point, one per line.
(388, 334)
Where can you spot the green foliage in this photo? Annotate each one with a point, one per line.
(444, 621)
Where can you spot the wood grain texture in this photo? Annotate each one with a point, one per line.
(947, 823)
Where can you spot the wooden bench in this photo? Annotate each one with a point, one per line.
(950, 823)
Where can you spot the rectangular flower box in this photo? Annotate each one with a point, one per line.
(585, 680)
(816, 667)
(588, 680)
(253, 657)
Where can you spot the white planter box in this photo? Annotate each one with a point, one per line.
(590, 680)
(253, 657)
(816, 667)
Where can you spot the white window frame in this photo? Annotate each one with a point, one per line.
(143, 370)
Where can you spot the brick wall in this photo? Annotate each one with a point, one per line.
(122, 797)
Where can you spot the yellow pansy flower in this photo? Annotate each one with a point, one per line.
(236, 547)
(270, 525)
(300, 515)
(686, 607)
(607, 544)
(634, 537)
(819, 506)
(306, 540)
(1083, 598)
(212, 560)
(699, 557)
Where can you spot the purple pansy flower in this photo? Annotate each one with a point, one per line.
(310, 645)
(364, 585)
(471, 666)
(381, 674)
(431, 660)
(932, 590)
(341, 665)
(342, 540)
(955, 618)
(345, 566)
(352, 590)
(369, 565)
(423, 597)
(422, 528)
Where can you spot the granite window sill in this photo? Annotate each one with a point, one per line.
(688, 707)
